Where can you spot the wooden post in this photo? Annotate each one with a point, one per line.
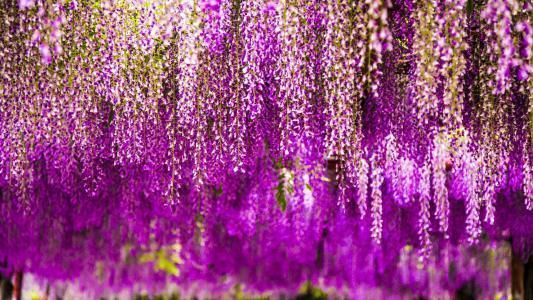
(17, 285)
(331, 171)
(6, 288)
(528, 279)
(517, 277)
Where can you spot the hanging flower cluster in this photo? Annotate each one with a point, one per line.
(256, 138)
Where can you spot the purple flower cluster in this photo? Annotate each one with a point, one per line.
(268, 143)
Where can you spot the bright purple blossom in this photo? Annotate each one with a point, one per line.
(351, 144)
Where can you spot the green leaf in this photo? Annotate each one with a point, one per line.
(166, 265)
(280, 193)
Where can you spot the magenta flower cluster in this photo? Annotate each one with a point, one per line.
(264, 142)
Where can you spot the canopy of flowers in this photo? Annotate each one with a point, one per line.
(265, 142)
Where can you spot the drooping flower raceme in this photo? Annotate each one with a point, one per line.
(209, 143)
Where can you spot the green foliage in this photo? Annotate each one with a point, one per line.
(285, 184)
(280, 193)
(310, 292)
(165, 259)
(173, 296)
